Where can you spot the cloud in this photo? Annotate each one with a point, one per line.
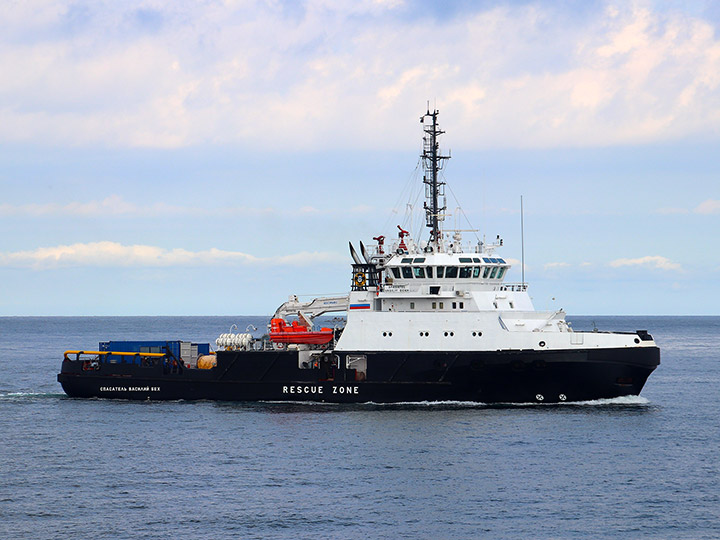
(710, 206)
(550, 265)
(325, 74)
(654, 261)
(115, 205)
(115, 254)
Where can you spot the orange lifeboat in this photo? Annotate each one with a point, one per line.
(281, 332)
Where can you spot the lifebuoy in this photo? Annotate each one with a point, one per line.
(360, 279)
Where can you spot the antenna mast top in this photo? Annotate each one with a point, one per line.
(433, 162)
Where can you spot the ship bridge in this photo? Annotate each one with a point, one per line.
(476, 271)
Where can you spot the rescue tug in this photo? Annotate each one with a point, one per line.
(426, 321)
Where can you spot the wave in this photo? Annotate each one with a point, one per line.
(449, 404)
(15, 395)
(622, 400)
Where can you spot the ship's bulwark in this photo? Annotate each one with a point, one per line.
(391, 377)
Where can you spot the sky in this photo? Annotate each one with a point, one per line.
(212, 158)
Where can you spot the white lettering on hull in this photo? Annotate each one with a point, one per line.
(314, 389)
(302, 389)
(129, 388)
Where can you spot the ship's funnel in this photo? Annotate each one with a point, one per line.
(354, 254)
(364, 253)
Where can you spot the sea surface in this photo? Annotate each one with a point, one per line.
(638, 467)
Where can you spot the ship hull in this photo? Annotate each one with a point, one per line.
(389, 377)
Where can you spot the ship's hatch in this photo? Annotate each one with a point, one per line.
(357, 362)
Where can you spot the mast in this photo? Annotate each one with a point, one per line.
(433, 162)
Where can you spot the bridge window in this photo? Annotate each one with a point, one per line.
(486, 272)
(420, 259)
(407, 272)
(451, 272)
(405, 261)
(465, 271)
(501, 271)
(476, 271)
(440, 271)
(419, 272)
(428, 271)
(493, 273)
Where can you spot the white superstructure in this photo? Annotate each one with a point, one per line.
(441, 296)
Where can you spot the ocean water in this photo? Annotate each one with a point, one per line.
(640, 467)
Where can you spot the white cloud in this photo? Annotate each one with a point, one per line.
(550, 265)
(710, 206)
(337, 74)
(115, 254)
(115, 205)
(654, 261)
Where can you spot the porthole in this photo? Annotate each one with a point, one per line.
(474, 334)
(542, 343)
(637, 340)
(421, 334)
(384, 334)
(446, 334)
(479, 334)
(427, 334)
(390, 334)
(452, 334)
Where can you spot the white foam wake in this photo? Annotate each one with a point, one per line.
(622, 400)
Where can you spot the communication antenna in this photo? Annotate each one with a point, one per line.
(522, 243)
(433, 161)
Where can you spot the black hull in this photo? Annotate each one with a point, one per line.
(486, 377)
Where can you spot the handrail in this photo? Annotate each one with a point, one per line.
(115, 353)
